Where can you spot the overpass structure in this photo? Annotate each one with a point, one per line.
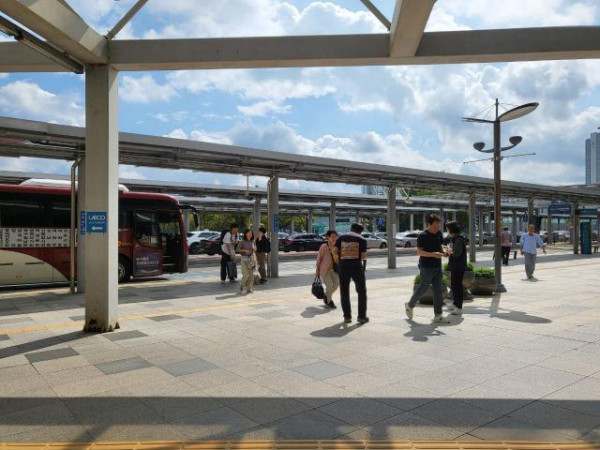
(56, 38)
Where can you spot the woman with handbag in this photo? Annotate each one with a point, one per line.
(247, 249)
(326, 268)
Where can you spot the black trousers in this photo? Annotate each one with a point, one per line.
(353, 270)
(225, 258)
(456, 282)
(505, 254)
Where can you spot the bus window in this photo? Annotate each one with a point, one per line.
(60, 213)
(147, 230)
(23, 212)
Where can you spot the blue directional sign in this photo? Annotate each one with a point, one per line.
(96, 222)
(82, 223)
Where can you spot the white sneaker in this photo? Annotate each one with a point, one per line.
(409, 310)
(441, 319)
(456, 311)
(451, 307)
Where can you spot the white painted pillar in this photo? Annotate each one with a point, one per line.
(391, 226)
(357, 217)
(441, 214)
(102, 196)
(309, 224)
(332, 215)
(292, 225)
(412, 221)
(273, 214)
(80, 227)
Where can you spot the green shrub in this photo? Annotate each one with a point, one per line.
(484, 272)
(470, 267)
(445, 280)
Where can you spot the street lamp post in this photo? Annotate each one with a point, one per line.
(511, 114)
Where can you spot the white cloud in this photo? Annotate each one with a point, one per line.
(24, 98)
(144, 90)
(273, 85)
(264, 109)
(518, 13)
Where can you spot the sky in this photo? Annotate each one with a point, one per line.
(406, 116)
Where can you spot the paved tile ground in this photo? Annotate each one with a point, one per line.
(197, 360)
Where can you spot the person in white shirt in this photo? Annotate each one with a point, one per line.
(228, 267)
(530, 242)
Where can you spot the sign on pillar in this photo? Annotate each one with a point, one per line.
(82, 222)
(96, 222)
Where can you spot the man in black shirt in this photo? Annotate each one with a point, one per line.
(263, 248)
(429, 248)
(351, 250)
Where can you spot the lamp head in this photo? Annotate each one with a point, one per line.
(479, 146)
(515, 140)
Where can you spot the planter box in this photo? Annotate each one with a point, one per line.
(483, 286)
(467, 279)
(427, 298)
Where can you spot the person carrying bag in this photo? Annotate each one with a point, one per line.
(326, 268)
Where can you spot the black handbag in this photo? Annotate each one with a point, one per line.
(317, 289)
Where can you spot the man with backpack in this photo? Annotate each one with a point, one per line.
(263, 248)
(229, 240)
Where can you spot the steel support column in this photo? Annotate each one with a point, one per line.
(256, 215)
(515, 225)
(80, 229)
(575, 221)
(309, 221)
(391, 226)
(530, 212)
(412, 221)
(273, 215)
(471, 228)
(332, 215)
(102, 199)
(480, 227)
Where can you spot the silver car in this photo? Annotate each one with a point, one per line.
(407, 239)
(374, 241)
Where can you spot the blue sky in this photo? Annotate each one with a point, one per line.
(404, 116)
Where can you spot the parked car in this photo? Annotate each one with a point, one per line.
(381, 234)
(373, 241)
(302, 242)
(407, 239)
(195, 239)
(212, 245)
(488, 237)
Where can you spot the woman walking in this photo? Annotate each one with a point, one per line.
(458, 264)
(326, 268)
(247, 249)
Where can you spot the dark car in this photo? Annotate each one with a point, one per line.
(212, 245)
(302, 242)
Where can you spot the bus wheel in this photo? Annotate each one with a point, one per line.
(124, 269)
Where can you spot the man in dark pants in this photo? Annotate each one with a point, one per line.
(351, 250)
(429, 248)
(506, 241)
(228, 254)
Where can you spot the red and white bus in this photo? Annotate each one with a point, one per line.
(35, 234)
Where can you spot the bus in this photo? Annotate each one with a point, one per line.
(35, 234)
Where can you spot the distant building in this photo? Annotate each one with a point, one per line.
(592, 159)
(370, 189)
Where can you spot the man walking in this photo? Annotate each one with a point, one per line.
(429, 248)
(530, 242)
(351, 250)
(506, 241)
(228, 267)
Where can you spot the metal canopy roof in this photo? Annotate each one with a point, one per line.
(205, 194)
(38, 139)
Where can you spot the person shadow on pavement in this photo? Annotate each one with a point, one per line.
(313, 311)
(335, 331)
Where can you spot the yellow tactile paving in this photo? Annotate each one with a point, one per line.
(309, 445)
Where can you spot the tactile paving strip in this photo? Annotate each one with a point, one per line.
(308, 445)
